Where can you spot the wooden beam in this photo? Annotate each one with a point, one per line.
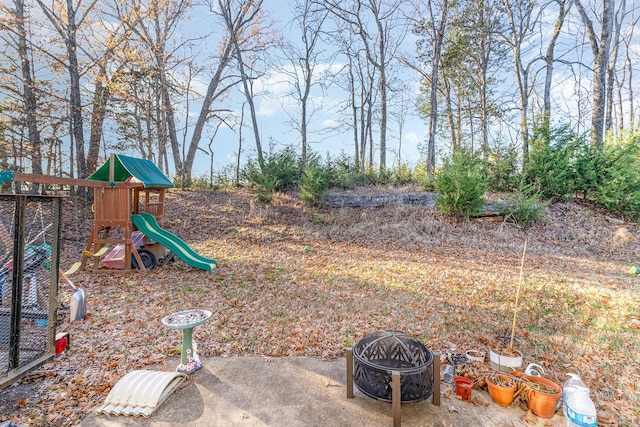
(349, 372)
(396, 398)
(436, 379)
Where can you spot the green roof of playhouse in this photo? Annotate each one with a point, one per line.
(130, 169)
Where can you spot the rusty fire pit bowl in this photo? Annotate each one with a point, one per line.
(376, 356)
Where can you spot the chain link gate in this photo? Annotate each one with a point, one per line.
(29, 241)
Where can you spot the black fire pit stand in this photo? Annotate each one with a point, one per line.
(396, 387)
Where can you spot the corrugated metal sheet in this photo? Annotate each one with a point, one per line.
(140, 393)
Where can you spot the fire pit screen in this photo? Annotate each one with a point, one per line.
(377, 355)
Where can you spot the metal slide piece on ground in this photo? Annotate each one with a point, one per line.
(78, 303)
(140, 393)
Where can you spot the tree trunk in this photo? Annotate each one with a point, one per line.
(382, 69)
(600, 49)
(354, 114)
(167, 107)
(450, 116)
(74, 89)
(630, 65)
(611, 68)
(173, 133)
(212, 93)
(437, 41)
(482, 77)
(232, 33)
(549, 59)
(29, 96)
(100, 99)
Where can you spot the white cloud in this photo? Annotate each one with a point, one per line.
(412, 139)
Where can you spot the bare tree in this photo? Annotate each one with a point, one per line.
(241, 21)
(19, 35)
(108, 59)
(66, 23)
(612, 64)
(302, 61)
(433, 23)
(600, 47)
(154, 25)
(484, 54)
(361, 85)
(522, 18)
(564, 6)
(629, 67)
(380, 45)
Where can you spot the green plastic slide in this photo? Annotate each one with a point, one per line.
(148, 225)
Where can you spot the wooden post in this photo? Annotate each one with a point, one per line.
(436, 379)
(396, 397)
(112, 174)
(349, 372)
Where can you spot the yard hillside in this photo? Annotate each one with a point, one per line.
(296, 281)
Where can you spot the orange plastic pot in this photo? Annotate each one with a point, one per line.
(543, 404)
(463, 387)
(502, 396)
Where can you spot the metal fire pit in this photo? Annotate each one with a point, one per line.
(378, 355)
(394, 367)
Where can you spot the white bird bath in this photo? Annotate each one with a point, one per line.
(186, 321)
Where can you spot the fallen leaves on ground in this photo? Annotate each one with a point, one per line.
(529, 418)
(451, 284)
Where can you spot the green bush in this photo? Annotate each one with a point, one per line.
(200, 182)
(225, 177)
(402, 175)
(614, 180)
(313, 183)
(421, 177)
(502, 169)
(523, 207)
(371, 176)
(461, 185)
(281, 171)
(343, 171)
(283, 168)
(265, 187)
(550, 169)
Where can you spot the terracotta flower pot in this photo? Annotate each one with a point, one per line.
(463, 387)
(500, 395)
(543, 404)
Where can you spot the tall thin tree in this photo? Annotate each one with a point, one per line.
(600, 48)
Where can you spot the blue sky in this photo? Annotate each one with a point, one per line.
(274, 107)
(571, 98)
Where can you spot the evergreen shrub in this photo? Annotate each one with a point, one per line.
(461, 185)
(523, 207)
(550, 169)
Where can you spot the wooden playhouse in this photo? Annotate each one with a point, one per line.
(130, 186)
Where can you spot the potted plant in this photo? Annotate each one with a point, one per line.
(506, 358)
(502, 388)
(542, 395)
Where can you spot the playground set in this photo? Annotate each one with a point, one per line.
(128, 214)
